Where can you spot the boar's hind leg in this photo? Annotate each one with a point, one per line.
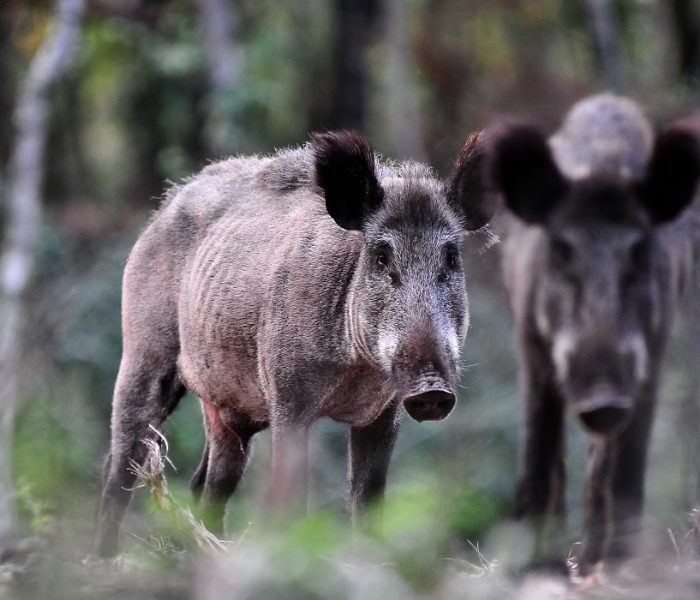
(145, 395)
(200, 475)
(224, 460)
(369, 451)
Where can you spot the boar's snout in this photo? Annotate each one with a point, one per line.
(430, 405)
(605, 412)
(424, 372)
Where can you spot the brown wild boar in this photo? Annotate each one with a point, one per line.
(598, 238)
(319, 281)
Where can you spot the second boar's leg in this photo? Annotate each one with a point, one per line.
(597, 498)
(221, 469)
(628, 477)
(540, 491)
(369, 451)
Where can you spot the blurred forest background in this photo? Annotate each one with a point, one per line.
(139, 93)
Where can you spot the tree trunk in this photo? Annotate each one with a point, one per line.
(23, 216)
(353, 26)
(218, 22)
(606, 43)
(686, 23)
(402, 114)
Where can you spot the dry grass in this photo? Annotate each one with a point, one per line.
(275, 564)
(151, 475)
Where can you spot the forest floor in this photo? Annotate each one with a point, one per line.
(317, 557)
(271, 569)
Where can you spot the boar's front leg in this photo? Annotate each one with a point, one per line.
(597, 499)
(289, 483)
(540, 492)
(615, 487)
(369, 452)
(628, 476)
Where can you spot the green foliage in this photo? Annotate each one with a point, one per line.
(137, 111)
(38, 512)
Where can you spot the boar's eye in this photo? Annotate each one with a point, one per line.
(639, 253)
(382, 256)
(637, 261)
(452, 257)
(562, 251)
(450, 264)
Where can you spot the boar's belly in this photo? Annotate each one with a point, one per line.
(228, 383)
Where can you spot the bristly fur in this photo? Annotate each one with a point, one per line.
(599, 240)
(244, 291)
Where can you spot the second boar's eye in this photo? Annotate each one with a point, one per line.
(562, 251)
(637, 262)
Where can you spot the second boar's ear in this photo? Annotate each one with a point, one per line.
(522, 167)
(467, 190)
(345, 171)
(673, 171)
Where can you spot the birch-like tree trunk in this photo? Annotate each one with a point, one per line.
(354, 24)
(685, 19)
(401, 106)
(23, 215)
(605, 35)
(218, 22)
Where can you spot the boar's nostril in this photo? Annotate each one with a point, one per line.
(432, 405)
(605, 415)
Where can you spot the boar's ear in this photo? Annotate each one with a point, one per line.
(344, 162)
(523, 168)
(467, 191)
(672, 174)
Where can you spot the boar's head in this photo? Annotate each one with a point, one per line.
(407, 305)
(601, 270)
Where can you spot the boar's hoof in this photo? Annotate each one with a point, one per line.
(605, 414)
(432, 405)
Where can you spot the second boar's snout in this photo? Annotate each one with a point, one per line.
(430, 405)
(605, 412)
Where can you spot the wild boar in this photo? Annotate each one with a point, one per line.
(598, 239)
(319, 281)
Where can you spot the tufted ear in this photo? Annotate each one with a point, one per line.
(466, 187)
(672, 175)
(345, 171)
(523, 168)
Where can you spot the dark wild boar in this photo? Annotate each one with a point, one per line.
(316, 282)
(599, 235)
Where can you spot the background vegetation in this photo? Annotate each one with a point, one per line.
(153, 92)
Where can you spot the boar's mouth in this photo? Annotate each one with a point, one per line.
(430, 405)
(605, 413)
